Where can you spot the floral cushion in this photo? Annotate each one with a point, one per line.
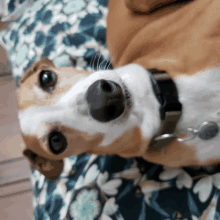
(12, 9)
(12, 5)
(72, 33)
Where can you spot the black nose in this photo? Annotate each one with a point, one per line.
(106, 100)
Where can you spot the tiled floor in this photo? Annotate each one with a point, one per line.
(15, 187)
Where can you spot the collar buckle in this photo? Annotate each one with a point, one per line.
(170, 109)
(166, 133)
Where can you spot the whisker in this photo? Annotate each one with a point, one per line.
(100, 66)
(90, 62)
(98, 61)
(91, 65)
(93, 68)
(106, 65)
(109, 65)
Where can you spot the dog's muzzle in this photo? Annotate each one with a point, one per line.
(106, 100)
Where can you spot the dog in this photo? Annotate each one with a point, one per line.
(64, 111)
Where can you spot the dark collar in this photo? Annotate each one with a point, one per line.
(170, 108)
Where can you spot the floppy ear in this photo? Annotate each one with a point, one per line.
(51, 169)
(43, 62)
(146, 5)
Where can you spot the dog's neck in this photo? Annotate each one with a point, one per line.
(200, 97)
(198, 94)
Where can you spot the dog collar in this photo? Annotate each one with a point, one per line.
(170, 111)
(170, 108)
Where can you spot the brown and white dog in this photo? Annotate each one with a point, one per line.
(183, 38)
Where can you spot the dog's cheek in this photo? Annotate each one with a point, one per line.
(127, 145)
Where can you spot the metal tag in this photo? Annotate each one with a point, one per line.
(208, 130)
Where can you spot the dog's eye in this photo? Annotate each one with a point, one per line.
(47, 79)
(57, 142)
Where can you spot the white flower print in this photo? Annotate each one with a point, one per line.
(68, 164)
(150, 186)
(41, 181)
(89, 178)
(110, 208)
(216, 180)
(105, 217)
(74, 6)
(69, 195)
(210, 211)
(80, 183)
(204, 188)
(132, 173)
(43, 195)
(86, 206)
(36, 177)
(91, 174)
(93, 7)
(110, 187)
(170, 173)
(183, 179)
(34, 202)
(90, 161)
(60, 189)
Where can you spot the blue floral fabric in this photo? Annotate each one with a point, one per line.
(91, 187)
(12, 5)
(70, 33)
(12, 9)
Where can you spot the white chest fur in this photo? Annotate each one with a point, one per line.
(200, 97)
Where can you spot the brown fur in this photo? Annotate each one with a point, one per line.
(181, 39)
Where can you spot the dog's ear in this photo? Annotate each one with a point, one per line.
(146, 5)
(43, 62)
(51, 169)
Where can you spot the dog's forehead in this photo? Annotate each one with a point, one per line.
(31, 94)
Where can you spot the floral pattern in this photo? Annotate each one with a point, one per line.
(91, 187)
(70, 33)
(86, 205)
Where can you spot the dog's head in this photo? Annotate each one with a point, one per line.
(64, 112)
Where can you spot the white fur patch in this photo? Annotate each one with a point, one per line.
(200, 96)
